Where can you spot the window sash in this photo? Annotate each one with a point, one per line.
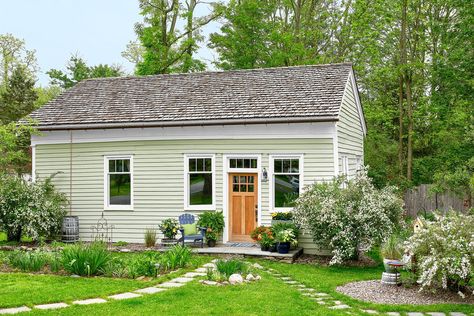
(282, 172)
(125, 161)
(189, 173)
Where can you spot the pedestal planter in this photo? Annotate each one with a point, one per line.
(283, 247)
(167, 242)
(390, 268)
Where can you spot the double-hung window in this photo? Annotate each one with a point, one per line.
(199, 182)
(286, 181)
(118, 183)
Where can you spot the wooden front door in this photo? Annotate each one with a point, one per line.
(243, 205)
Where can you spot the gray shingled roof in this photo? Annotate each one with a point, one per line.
(273, 93)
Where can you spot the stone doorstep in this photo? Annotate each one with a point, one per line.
(169, 284)
(51, 306)
(90, 301)
(15, 310)
(150, 290)
(124, 296)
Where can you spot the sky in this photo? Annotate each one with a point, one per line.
(98, 30)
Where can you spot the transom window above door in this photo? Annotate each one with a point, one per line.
(243, 163)
(243, 183)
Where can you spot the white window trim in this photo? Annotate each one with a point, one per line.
(209, 207)
(225, 172)
(271, 179)
(107, 206)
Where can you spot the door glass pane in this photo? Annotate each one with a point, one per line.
(243, 179)
(235, 179)
(243, 188)
(286, 190)
(235, 188)
(251, 179)
(200, 189)
(250, 188)
(119, 189)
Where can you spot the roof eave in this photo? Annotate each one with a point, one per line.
(279, 120)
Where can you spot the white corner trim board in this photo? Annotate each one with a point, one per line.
(254, 131)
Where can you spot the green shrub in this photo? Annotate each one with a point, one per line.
(392, 248)
(143, 265)
(176, 257)
(116, 268)
(54, 262)
(348, 216)
(150, 238)
(121, 243)
(214, 222)
(85, 259)
(30, 209)
(28, 260)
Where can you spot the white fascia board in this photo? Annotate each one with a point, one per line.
(252, 131)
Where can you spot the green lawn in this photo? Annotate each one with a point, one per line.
(269, 296)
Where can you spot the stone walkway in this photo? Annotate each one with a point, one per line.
(329, 302)
(161, 287)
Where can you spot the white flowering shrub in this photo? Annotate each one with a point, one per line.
(443, 252)
(348, 216)
(30, 209)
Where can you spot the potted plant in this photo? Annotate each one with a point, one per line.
(285, 238)
(283, 225)
(391, 251)
(214, 224)
(282, 217)
(169, 227)
(264, 236)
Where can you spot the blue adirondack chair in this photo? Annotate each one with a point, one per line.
(197, 238)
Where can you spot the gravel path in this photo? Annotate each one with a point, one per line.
(374, 291)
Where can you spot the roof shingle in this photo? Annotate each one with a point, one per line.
(271, 93)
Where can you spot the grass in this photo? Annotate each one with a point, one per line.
(269, 296)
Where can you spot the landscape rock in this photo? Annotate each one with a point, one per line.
(207, 282)
(257, 266)
(250, 277)
(258, 277)
(236, 279)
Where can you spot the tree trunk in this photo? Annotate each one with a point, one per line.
(402, 72)
(410, 129)
(14, 235)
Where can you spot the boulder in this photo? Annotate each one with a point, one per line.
(250, 277)
(236, 279)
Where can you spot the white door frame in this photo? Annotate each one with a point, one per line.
(226, 170)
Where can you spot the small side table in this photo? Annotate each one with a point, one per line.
(396, 265)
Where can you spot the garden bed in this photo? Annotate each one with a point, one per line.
(375, 292)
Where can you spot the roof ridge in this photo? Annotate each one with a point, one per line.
(128, 77)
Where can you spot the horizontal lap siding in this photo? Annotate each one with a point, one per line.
(349, 130)
(158, 176)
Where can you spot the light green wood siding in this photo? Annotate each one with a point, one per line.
(159, 176)
(349, 130)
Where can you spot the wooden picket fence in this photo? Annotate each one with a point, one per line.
(420, 200)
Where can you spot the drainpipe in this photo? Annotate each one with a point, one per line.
(70, 173)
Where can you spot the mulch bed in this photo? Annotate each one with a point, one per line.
(363, 261)
(376, 292)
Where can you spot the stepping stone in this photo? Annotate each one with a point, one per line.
(457, 314)
(181, 280)
(342, 306)
(15, 310)
(321, 302)
(415, 314)
(194, 274)
(149, 290)
(437, 314)
(285, 278)
(51, 306)
(90, 301)
(170, 284)
(369, 311)
(306, 289)
(201, 270)
(393, 313)
(337, 302)
(291, 282)
(299, 286)
(209, 265)
(321, 294)
(124, 296)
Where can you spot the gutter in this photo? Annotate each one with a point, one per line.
(85, 126)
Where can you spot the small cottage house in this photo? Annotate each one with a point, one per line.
(247, 142)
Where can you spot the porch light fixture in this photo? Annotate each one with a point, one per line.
(264, 175)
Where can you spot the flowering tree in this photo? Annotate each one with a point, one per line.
(444, 252)
(30, 209)
(348, 216)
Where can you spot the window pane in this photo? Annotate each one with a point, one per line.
(243, 188)
(208, 164)
(278, 166)
(286, 165)
(251, 180)
(254, 163)
(236, 179)
(200, 189)
(126, 165)
(295, 165)
(240, 163)
(235, 188)
(286, 190)
(192, 164)
(111, 165)
(200, 165)
(243, 179)
(119, 189)
(246, 163)
(250, 188)
(233, 163)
